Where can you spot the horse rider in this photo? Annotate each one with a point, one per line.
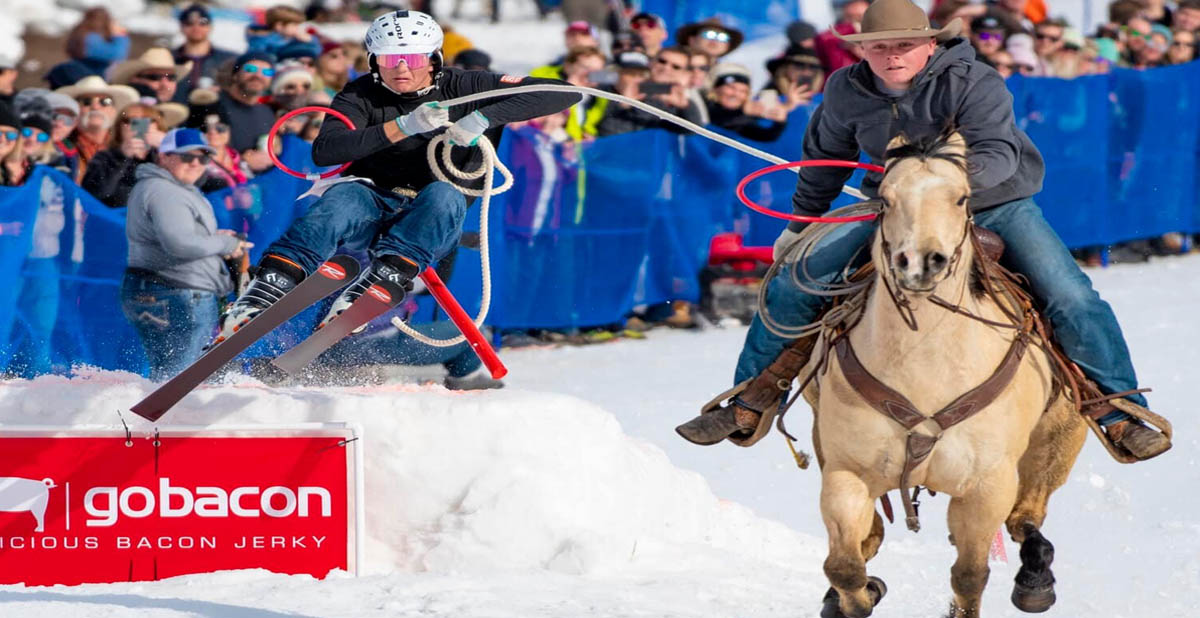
(918, 80)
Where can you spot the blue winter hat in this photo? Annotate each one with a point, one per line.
(178, 141)
(297, 49)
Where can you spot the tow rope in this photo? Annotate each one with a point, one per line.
(469, 327)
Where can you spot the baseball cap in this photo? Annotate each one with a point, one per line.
(633, 60)
(728, 72)
(644, 16)
(986, 22)
(197, 10)
(582, 27)
(184, 140)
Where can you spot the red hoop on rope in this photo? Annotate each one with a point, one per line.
(741, 190)
(296, 112)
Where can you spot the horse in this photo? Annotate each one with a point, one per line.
(931, 338)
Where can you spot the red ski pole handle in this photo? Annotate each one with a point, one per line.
(479, 343)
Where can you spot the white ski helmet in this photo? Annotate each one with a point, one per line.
(403, 32)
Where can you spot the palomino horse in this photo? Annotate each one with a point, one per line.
(928, 340)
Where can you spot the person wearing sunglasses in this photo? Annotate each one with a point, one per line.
(652, 31)
(987, 35)
(388, 201)
(709, 36)
(176, 270)
(35, 139)
(154, 72)
(1047, 41)
(1135, 34)
(1183, 47)
(238, 104)
(195, 24)
(14, 167)
(98, 105)
(916, 79)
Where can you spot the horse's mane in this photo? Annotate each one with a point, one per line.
(926, 148)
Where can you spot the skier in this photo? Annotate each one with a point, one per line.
(396, 115)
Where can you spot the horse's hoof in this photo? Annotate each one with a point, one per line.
(1033, 600)
(875, 588)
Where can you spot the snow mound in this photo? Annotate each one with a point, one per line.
(509, 480)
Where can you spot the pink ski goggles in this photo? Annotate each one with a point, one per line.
(413, 61)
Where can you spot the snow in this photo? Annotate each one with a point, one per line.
(568, 493)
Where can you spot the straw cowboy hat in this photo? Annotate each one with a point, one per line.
(173, 113)
(898, 19)
(94, 84)
(153, 58)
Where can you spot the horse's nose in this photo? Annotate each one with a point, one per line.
(935, 262)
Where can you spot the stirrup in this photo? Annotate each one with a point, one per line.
(1139, 413)
(718, 421)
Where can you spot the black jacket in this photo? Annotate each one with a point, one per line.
(111, 175)
(747, 126)
(403, 164)
(954, 88)
(619, 119)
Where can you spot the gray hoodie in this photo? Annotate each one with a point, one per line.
(173, 233)
(953, 88)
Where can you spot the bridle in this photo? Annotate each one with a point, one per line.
(899, 298)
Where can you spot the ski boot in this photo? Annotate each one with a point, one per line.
(274, 277)
(398, 270)
(478, 380)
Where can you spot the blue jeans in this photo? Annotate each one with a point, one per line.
(1083, 323)
(173, 323)
(359, 216)
(395, 348)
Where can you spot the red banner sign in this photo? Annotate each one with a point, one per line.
(89, 507)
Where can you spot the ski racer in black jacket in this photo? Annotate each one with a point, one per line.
(395, 114)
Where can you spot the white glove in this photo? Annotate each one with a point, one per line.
(781, 244)
(428, 117)
(467, 130)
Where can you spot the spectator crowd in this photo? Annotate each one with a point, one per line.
(156, 130)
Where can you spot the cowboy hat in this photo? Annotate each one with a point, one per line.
(153, 58)
(898, 19)
(794, 54)
(94, 84)
(687, 31)
(173, 113)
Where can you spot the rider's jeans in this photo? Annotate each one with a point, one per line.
(359, 216)
(1083, 323)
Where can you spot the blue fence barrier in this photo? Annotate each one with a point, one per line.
(592, 230)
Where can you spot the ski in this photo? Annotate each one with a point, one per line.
(376, 301)
(329, 278)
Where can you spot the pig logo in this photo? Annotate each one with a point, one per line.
(18, 494)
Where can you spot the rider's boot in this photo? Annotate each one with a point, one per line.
(274, 277)
(1139, 440)
(398, 270)
(743, 414)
